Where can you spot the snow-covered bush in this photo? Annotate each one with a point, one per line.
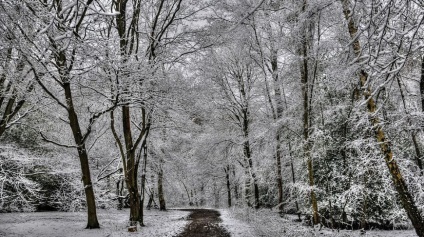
(58, 190)
(28, 183)
(17, 191)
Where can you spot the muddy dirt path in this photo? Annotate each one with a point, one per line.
(204, 223)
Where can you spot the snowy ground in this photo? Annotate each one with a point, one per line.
(239, 222)
(112, 222)
(267, 223)
(237, 228)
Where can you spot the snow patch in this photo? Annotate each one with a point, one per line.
(237, 228)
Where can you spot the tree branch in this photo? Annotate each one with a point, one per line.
(56, 143)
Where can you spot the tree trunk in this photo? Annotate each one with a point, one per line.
(247, 151)
(401, 187)
(132, 168)
(92, 221)
(202, 193)
(143, 183)
(304, 75)
(119, 188)
(190, 203)
(247, 186)
(279, 114)
(161, 194)
(250, 171)
(363, 217)
(293, 179)
(227, 177)
(417, 151)
(422, 83)
(128, 42)
(236, 184)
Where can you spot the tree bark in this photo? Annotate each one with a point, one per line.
(247, 186)
(401, 187)
(130, 161)
(294, 179)
(143, 183)
(422, 83)
(132, 167)
(92, 221)
(190, 203)
(127, 40)
(248, 156)
(227, 178)
(162, 205)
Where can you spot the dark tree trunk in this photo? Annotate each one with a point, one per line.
(64, 73)
(247, 187)
(236, 186)
(216, 194)
(202, 193)
(162, 205)
(128, 42)
(248, 156)
(279, 175)
(294, 179)
(422, 83)
(143, 183)
(227, 177)
(92, 222)
(364, 211)
(119, 188)
(132, 168)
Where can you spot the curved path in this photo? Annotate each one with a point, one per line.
(204, 224)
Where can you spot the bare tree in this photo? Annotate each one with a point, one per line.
(236, 78)
(304, 49)
(401, 186)
(55, 59)
(128, 23)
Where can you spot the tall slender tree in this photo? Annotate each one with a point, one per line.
(305, 28)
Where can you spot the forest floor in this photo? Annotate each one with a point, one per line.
(113, 223)
(175, 223)
(204, 222)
